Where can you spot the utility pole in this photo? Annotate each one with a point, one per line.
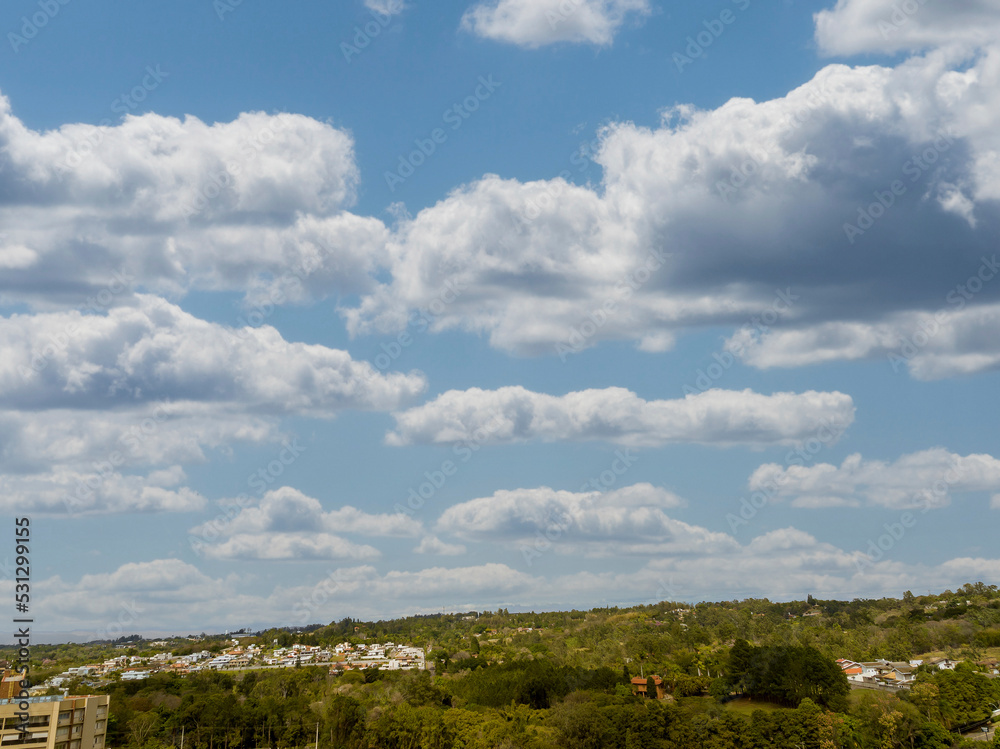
(182, 737)
(317, 735)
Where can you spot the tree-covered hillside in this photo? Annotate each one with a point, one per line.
(741, 674)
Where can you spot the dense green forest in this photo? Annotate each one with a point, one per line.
(743, 674)
(521, 704)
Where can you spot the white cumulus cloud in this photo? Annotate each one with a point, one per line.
(180, 203)
(782, 564)
(288, 510)
(925, 480)
(950, 342)
(630, 520)
(155, 350)
(286, 546)
(68, 492)
(434, 545)
(724, 217)
(535, 23)
(722, 417)
(856, 26)
(287, 524)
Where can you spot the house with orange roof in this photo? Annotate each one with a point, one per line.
(640, 687)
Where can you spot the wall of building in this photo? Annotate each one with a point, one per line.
(55, 723)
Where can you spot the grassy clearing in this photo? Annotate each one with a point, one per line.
(747, 705)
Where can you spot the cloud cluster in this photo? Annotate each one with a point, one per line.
(536, 23)
(842, 193)
(783, 564)
(154, 351)
(152, 434)
(867, 200)
(65, 490)
(929, 345)
(867, 193)
(67, 462)
(888, 26)
(89, 400)
(434, 545)
(176, 204)
(285, 546)
(720, 417)
(925, 480)
(630, 520)
(287, 524)
(633, 511)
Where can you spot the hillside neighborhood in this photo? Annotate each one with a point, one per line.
(902, 674)
(860, 674)
(387, 656)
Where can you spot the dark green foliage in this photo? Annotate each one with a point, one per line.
(533, 683)
(740, 658)
(963, 696)
(787, 674)
(988, 638)
(345, 718)
(420, 691)
(718, 689)
(650, 687)
(599, 722)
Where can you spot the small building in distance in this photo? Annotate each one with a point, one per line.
(639, 687)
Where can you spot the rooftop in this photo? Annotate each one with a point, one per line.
(48, 698)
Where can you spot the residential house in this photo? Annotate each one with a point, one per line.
(220, 661)
(852, 669)
(942, 663)
(899, 673)
(640, 686)
(870, 670)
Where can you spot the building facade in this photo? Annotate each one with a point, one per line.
(55, 723)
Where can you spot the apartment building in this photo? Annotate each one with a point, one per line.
(56, 723)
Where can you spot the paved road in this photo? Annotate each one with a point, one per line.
(980, 736)
(877, 687)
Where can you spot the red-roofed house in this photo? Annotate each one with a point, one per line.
(639, 687)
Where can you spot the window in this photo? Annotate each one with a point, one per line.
(99, 725)
(98, 741)
(62, 733)
(74, 744)
(14, 739)
(65, 715)
(102, 710)
(77, 730)
(78, 715)
(38, 720)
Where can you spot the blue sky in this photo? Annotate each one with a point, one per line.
(649, 300)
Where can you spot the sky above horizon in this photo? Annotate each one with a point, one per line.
(374, 308)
